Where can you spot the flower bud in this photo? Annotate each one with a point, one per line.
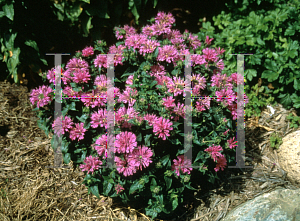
(156, 190)
(168, 173)
(158, 165)
(186, 178)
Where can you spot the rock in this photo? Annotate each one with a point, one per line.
(289, 156)
(279, 205)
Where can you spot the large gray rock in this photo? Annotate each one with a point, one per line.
(279, 205)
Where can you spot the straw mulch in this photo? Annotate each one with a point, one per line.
(31, 191)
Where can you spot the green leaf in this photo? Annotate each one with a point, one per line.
(9, 11)
(95, 191)
(107, 187)
(64, 147)
(2, 14)
(259, 41)
(297, 84)
(147, 140)
(190, 187)
(250, 73)
(164, 160)
(86, 1)
(285, 100)
(155, 52)
(289, 31)
(86, 25)
(168, 182)
(270, 64)
(174, 203)
(135, 186)
(32, 44)
(139, 137)
(67, 158)
(136, 14)
(200, 155)
(82, 118)
(270, 75)
(207, 26)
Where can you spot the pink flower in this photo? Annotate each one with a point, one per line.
(91, 164)
(210, 54)
(141, 157)
(232, 143)
(225, 133)
(201, 103)
(103, 145)
(161, 80)
(162, 127)
(221, 163)
(198, 83)
(194, 41)
(182, 164)
(135, 41)
(164, 18)
(118, 51)
(220, 51)
(236, 78)
(167, 53)
(128, 96)
(169, 102)
(157, 70)
(77, 70)
(161, 28)
(51, 74)
(220, 64)
(87, 51)
(101, 61)
(197, 59)
(208, 41)
(179, 109)
(150, 118)
(77, 132)
(81, 76)
(176, 86)
(148, 47)
(64, 123)
(101, 82)
(119, 188)
(41, 96)
(214, 151)
(70, 92)
(175, 37)
(125, 142)
(148, 30)
(129, 30)
(99, 118)
(125, 167)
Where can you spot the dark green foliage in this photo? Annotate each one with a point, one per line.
(29, 29)
(270, 31)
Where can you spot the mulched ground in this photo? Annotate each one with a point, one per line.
(31, 191)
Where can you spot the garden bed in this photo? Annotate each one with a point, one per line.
(31, 191)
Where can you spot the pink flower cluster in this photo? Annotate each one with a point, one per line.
(182, 164)
(133, 157)
(214, 151)
(41, 96)
(91, 164)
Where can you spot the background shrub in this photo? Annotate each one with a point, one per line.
(270, 31)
